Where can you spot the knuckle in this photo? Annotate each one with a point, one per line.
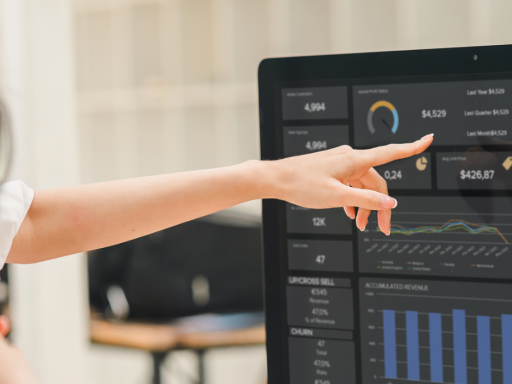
(396, 151)
(368, 198)
(349, 157)
(394, 148)
(350, 166)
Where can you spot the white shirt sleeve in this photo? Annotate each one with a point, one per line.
(15, 200)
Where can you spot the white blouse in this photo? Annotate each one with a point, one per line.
(15, 200)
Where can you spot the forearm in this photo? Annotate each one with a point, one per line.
(71, 220)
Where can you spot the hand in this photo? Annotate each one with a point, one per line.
(14, 368)
(344, 177)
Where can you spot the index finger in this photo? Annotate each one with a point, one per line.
(387, 153)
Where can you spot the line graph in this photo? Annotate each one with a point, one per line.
(454, 236)
(451, 225)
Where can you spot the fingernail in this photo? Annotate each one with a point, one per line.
(362, 230)
(427, 136)
(388, 202)
(384, 232)
(388, 232)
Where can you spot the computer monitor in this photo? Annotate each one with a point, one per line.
(433, 301)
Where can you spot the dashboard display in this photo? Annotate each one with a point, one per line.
(431, 303)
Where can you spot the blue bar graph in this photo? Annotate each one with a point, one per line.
(413, 348)
(436, 347)
(459, 346)
(484, 349)
(506, 326)
(389, 344)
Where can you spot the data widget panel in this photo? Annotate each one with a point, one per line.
(474, 170)
(411, 173)
(320, 307)
(318, 361)
(458, 113)
(432, 331)
(442, 236)
(320, 255)
(320, 303)
(304, 140)
(315, 103)
(317, 221)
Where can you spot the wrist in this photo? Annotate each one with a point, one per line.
(264, 179)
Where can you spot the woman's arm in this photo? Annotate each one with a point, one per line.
(71, 220)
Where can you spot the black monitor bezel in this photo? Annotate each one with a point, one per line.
(431, 62)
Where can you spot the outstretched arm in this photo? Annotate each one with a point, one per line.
(71, 220)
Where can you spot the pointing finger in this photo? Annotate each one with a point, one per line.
(387, 153)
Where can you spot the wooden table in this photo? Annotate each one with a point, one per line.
(160, 340)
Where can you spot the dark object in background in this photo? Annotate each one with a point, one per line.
(4, 289)
(213, 264)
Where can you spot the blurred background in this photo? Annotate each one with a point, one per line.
(108, 89)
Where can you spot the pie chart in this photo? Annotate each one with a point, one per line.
(382, 114)
(421, 163)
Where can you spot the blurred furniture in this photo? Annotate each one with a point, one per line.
(208, 265)
(195, 286)
(198, 334)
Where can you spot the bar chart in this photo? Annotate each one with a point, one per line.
(439, 332)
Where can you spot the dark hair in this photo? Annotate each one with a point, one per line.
(6, 142)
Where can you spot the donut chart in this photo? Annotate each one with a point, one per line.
(382, 104)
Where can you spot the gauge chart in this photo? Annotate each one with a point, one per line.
(436, 332)
(390, 122)
(444, 236)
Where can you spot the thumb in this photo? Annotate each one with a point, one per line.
(366, 198)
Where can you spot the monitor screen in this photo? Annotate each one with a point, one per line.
(433, 301)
